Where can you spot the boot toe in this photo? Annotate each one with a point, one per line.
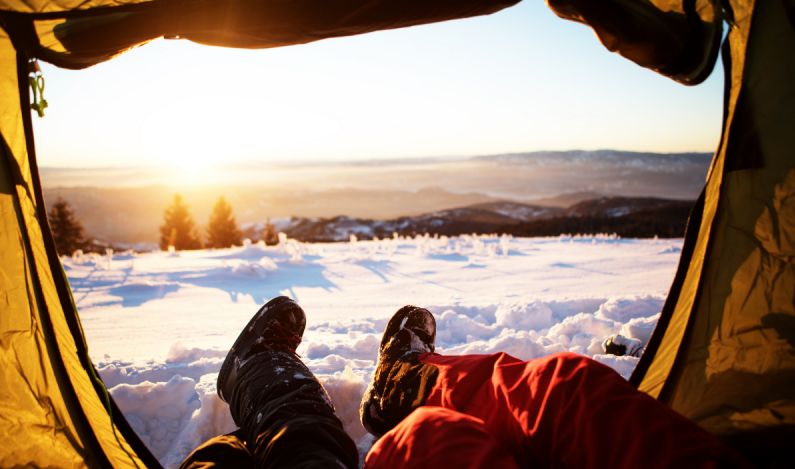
(281, 311)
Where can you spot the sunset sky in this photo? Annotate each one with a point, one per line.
(519, 80)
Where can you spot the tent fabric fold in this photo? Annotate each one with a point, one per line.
(727, 356)
(723, 352)
(87, 37)
(680, 43)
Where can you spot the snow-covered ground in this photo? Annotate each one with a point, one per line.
(159, 325)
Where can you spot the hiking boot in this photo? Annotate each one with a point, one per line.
(410, 333)
(619, 345)
(279, 325)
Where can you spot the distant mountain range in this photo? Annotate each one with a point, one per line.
(125, 206)
(642, 217)
(525, 175)
(626, 217)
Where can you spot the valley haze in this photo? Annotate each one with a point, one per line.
(125, 205)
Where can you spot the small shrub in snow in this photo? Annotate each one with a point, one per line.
(374, 248)
(294, 249)
(505, 244)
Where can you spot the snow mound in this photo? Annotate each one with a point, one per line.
(254, 269)
(363, 349)
(533, 316)
(640, 328)
(346, 390)
(125, 255)
(671, 250)
(175, 417)
(158, 412)
(179, 353)
(623, 365)
(211, 419)
(336, 363)
(247, 251)
(626, 308)
(452, 328)
(188, 363)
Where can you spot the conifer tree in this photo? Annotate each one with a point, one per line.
(66, 229)
(269, 234)
(179, 230)
(222, 230)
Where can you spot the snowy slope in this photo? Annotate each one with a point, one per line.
(158, 325)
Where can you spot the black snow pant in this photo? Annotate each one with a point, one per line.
(286, 420)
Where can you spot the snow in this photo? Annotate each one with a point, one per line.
(159, 324)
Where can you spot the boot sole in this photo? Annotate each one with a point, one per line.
(250, 334)
(395, 325)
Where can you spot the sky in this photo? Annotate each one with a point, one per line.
(516, 81)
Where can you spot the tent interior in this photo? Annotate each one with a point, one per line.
(723, 352)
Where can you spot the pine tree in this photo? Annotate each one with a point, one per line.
(269, 234)
(179, 230)
(222, 230)
(67, 231)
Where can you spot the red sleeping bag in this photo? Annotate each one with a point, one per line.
(560, 411)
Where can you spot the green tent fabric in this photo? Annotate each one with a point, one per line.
(723, 353)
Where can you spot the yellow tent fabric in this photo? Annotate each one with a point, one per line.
(723, 352)
(735, 368)
(51, 413)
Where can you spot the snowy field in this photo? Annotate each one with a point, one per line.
(159, 324)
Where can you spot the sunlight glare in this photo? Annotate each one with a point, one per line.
(196, 132)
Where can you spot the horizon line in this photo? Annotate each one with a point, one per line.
(368, 161)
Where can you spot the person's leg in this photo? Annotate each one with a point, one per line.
(222, 452)
(435, 437)
(281, 408)
(287, 417)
